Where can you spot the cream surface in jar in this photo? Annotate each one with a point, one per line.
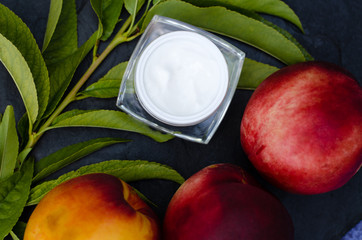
(181, 78)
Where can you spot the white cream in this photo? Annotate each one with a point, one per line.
(181, 78)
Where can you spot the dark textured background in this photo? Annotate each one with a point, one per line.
(333, 32)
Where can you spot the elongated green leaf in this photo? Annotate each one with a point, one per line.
(70, 154)
(273, 7)
(61, 73)
(9, 144)
(107, 119)
(142, 18)
(62, 54)
(108, 86)
(53, 18)
(21, 74)
(127, 170)
(15, 30)
(23, 130)
(23, 155)
(133, 6)
(64, 40)
(116, 72)
(234, 25)
(103, 89)
(68, 115)
(254, 73)
(108, 13)
(282, 31)
(14, 192)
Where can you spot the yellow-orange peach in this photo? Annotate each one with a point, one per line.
(92, 207)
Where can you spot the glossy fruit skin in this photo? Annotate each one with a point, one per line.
(223, 202)
(90, 207)
(302, 128)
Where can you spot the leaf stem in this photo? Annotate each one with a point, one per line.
(95, 50)
(126, 24)
(134, 36)
(73, 93)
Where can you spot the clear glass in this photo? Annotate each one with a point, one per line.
(128, 101)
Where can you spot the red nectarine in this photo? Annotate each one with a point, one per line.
(302, 127)
(223, 202)
(92, 207)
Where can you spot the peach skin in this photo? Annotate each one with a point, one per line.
(94, 206)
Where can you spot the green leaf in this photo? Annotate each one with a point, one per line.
(273, 7)
(23, 155)
(142, 18)
(24, 56)
(155, 2)
(70, 154)
(232, 24)
(62, 55)
(61, 73)
(64, 39)
(23, 130)
(254, 73)
(133, 6)
(108, 13)
(21, 74)
(14, 192)
(108, 86)
(55, 10)
(127, 170)
(116, 72)
(107, 119)
(102, 89)
(9, 144)
(282, 31)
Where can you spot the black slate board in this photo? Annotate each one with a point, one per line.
(333, 33)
